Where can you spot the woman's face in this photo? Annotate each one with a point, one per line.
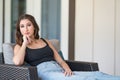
(26, 28)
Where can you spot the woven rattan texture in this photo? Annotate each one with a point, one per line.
(13, 73)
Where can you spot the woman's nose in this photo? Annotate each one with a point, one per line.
(26, 28)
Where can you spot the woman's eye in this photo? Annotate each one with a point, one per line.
(29, 24)
(21, 26)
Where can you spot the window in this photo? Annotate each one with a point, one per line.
(50, 23)
(18, 7)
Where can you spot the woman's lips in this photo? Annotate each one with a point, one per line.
(26, 33)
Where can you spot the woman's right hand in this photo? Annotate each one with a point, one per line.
(26, 40)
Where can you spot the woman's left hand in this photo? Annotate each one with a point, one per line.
(68, 72)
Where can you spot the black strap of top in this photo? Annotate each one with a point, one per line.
(44, 40)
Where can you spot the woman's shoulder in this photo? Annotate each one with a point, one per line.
(45, 40)
(17, 46)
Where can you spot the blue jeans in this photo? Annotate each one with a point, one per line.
(51, 70)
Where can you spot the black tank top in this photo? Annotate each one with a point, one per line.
(39, 55)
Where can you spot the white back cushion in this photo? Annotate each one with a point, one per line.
(8, 50)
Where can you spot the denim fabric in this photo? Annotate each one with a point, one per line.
(53, 71)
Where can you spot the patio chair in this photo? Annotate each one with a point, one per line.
(9, 71)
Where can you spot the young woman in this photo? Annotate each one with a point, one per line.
(40, 52)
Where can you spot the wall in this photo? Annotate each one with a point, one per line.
(7, 23)
(97, 33)
(64, 27)
(117, 38)
(1, 24)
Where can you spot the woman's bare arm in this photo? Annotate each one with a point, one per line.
(61, 61)
(19, 54)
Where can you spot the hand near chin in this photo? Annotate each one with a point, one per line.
(26, 39)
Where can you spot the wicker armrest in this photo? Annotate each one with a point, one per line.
(12, 72)
(1, 58)
(82, 66)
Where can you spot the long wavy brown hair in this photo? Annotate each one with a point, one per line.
(19, 36)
